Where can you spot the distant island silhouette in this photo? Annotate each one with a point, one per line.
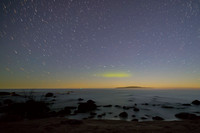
(132, 87)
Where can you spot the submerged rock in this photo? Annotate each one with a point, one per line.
(167, 107)
(117, 106)
(126, 107)
(93, 113)
(123, 115)
(70, 107)
(107, 106)
(196, 102)
(187, 116)
(80, 99)
(158, 118)
(185, 104)
(143, 118)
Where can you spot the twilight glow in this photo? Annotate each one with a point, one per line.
(99, 43)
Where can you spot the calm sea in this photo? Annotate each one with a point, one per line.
(149, 102)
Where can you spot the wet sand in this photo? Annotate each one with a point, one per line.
(63, 125)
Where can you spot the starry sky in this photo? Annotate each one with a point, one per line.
(99, 43)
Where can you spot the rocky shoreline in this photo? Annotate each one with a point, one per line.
(33, 109)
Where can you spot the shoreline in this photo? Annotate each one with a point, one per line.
(60, 125)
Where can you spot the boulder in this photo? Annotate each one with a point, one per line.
(133, 116)
(196, 102)
(158, 118)
(123, 115)
(49, 94)
(86, 106)
(187, 116)
(136, 109)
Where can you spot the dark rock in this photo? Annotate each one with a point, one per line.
(7, 101)
(126, 107)
(115, 116)
(186, 104)
(117, 106)
(49, 94)
(93, 114)
(107, 106)
(147, 115)
(30, 109)
(133, 116)
(110, 113)
(70, 107)
(158, 118)
(167, 107)
(196, 102)
(4, 93)
(36, 109)
(187, 116)
(86, 107)
(145, 104)
(136, 109)
(91, 102)
(80, 99)
(143, 118)
(197, 112)
(103, 114)
(136, 120)
(64, 112)
(99, 116)
(123, 115)
(14, 94)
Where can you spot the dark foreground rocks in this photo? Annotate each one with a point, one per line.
(123, 115)
(86, 106)
(187, 116)
(196, 102)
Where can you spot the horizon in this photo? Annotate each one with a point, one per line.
(99, 44)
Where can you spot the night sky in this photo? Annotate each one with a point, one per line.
(99, 43)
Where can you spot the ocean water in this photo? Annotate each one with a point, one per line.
(149, 101)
